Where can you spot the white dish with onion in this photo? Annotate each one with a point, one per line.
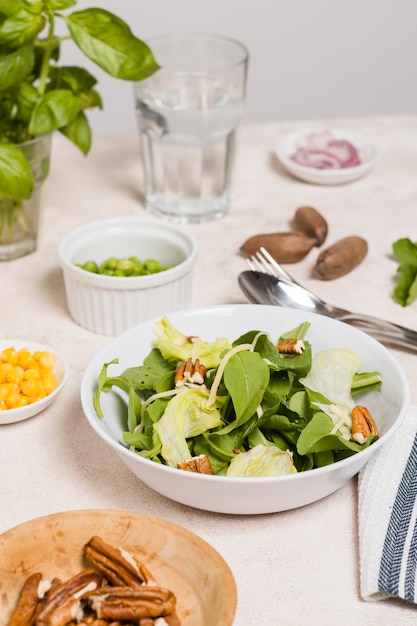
(255, 494)
(326, 156)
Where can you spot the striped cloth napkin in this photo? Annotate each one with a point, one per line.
(387, 517)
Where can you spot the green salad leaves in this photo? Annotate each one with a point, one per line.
(405, 251)
(255, 412)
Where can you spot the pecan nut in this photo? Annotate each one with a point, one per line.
(291, 346)
(118, 566)
(63, 603)
(124, 603)
(363, 424)
(190, 372)
(27, 603)
(198, 464)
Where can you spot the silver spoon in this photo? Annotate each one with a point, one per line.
(262, 288)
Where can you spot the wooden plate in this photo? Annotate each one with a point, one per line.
(179, 560)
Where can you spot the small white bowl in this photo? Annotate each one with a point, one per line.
(109, 305)
(242, 495)
(61, 369)
(287, 146)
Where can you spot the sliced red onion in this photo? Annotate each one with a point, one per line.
(322, 150)
(320, 159)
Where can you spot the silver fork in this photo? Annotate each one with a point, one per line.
(281, 289)
(263, 261)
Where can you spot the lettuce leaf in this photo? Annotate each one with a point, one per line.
(262, 460)
(329, 385)
(186, 415)
(175, 346)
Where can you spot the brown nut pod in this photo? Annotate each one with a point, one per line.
(310, 222)
(284, 247)
(340, 258)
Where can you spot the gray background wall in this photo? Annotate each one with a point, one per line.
(309, 58)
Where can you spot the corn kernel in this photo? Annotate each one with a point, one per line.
(26, 359)
(46, 359)
(50, 382)
(23, 401)
(15, 374)
(14, 358)
(4, 369)
(32, 374)
(12, 398)
(6, 354)
(29, 387)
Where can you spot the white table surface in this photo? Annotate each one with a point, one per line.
(290, 568)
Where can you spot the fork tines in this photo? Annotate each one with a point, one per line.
(263, 261)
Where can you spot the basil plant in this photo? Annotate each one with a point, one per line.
(38, 95)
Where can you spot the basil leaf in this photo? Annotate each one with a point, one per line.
(71, 77)
(34, 6)
(79, 132)
(16, 178)
(14, 67)
(8, 7)
(59, 5)
(26, 98)
(108, 41)
(54, 110)
(21, 27)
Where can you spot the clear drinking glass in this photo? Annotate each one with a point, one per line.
(187, 117)
(20, 220)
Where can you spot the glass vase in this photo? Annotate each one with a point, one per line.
(20, 220)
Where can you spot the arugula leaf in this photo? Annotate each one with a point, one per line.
(317, 436)
(405, 251)
(246, 377)
(147, 376)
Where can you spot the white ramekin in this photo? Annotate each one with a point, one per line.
(109, 305)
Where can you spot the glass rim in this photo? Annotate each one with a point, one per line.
(195, 35)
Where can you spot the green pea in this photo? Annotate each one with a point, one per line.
(126, 266)
(152, 266)
(90, 266)
(110, 263)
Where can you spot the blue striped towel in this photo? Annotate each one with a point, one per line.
(388, 516)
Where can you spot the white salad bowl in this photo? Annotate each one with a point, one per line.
(109, 305)
(248, 495)
(287, 146)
